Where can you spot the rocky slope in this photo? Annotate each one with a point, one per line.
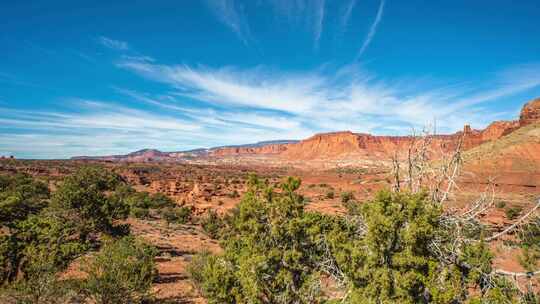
(512, 160)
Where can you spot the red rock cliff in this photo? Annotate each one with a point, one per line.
(233, 151)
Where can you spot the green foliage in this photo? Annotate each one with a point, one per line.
(234, 194)
(268, 251)
(20, 196)
(49, 236)
(212, 224)
(178, 215)
(531, 298)
(500, 204)
(122, 272)
(141, 202)
(10, 258)
(84, 195)
(216, 278)
(160, 200)
(502, 291)
(347, 196)
(330, 194)
(44, 238)
(140, 213)
(529, 234)
(512, 212)
(41, 284)
(58, 233)
(477, 259)
(394, 260)
(529, 237)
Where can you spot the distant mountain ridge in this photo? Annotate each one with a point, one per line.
(154, 154)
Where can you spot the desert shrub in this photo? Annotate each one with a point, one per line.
(267, 251)
(51, 236)
(347, 196)
(513, 212)
(122, 272)
(352, 207)
(47, 236)
(215, 278)
(500, 204)
(234, 194)
(59, 233)
(178, 215)
(530, 297)
(212, 224)
(529, 241)
(41, 284)
(393, 260)
(20, 196)
(35, 232)
(330, 194)
(139, 201)
(529, 234)
(140, 213)
(160, 200)
(84, 196)
(10, 258)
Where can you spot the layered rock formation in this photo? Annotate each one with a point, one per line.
(530, 112)
(243, 150)
(513, 160)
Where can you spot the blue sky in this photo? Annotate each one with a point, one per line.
(111, 77)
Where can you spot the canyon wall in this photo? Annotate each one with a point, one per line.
(269, 149)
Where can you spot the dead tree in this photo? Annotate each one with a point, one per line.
(431, 166)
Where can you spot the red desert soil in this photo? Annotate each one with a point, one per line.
(176, 245)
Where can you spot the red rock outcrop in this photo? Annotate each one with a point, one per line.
(498, 129)
(513, 160)
(265, 149)
(346, 144)
(530, 112)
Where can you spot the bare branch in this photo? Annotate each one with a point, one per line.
(518, 222)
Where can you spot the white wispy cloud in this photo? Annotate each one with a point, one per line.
(308, 13)
(349, 97)
(319, 19)
(372, 29)
(237, 106)
(102, 128)
(113, 44)
(231, 15)
(140, 58)
(347, 12)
